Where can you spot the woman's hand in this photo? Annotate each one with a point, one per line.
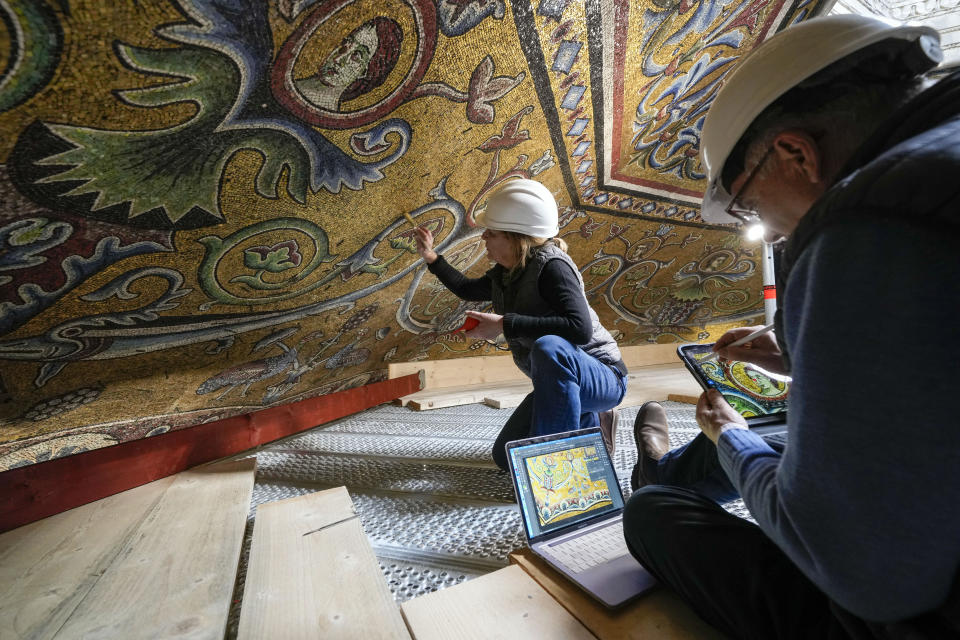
(491, 325)
(714, 413)
(425, 245)
(762, 351)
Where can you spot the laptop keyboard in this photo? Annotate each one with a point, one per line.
(591, 549)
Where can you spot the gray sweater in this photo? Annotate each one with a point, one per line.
(866, 497)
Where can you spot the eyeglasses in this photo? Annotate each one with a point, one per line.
(746, 215)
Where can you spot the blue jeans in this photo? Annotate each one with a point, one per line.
(570, 387)
(696, 466)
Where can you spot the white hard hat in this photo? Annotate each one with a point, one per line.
(522, 206)
(778, 65)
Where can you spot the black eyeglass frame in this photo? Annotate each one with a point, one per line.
(744, 215)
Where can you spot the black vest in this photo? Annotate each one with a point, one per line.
(521, 295)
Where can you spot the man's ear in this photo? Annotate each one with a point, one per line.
(798, 151)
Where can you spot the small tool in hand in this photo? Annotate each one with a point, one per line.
(410, 219)
(468, 324)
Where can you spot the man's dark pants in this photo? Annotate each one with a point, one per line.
(725, 567)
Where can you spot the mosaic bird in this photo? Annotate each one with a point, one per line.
(249, 372)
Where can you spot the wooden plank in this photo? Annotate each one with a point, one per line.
(508, 396)
(447, 396)
(649, 354)
(659, 614)
(456, 396)
(504, 400)
(158, 561)
(312, 574)
(682, 397)
(40, 490)
(656, 382)
(175, 579)
(459, 372)
(504, 604)
(49, 566)
(651, 382)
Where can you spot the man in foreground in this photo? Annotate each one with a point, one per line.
(829, 134)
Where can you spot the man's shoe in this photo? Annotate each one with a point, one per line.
(609, 421)
(651, 434)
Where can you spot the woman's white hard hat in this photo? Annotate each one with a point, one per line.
(773, 68)
(522, 206)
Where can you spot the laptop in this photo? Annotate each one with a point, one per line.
(757, 395)
(572, 510)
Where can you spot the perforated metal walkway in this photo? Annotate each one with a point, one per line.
(435, 508)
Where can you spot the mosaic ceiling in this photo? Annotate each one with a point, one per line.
(202, 201)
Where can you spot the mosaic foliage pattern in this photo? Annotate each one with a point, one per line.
(201, 201)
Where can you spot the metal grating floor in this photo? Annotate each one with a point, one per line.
(435, 508)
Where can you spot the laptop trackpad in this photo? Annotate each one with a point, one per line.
(617, 581)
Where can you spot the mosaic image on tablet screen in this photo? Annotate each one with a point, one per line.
(749, 389)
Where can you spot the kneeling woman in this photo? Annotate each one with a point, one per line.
(542, 310)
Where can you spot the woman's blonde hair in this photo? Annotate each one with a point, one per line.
(524, 246)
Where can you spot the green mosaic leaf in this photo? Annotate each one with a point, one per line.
(272, 261)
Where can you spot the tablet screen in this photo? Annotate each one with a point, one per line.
(750, 390)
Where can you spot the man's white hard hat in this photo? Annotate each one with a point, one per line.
(776, 66)
(522, 206)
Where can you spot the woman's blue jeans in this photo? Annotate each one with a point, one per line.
(570, 387)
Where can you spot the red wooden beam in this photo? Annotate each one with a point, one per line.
(47, 488)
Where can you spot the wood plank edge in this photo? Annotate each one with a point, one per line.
(635, 356)
(47, 488)
(502, 402)
(406, 623)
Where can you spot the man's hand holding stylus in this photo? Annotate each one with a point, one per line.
(762, 351)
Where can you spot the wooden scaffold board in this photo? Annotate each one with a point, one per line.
(312, 574)
(157, 561)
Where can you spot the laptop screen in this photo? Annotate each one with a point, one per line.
(564, 481)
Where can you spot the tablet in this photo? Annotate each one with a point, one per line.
(756, 394)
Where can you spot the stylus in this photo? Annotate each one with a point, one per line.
(744, 340)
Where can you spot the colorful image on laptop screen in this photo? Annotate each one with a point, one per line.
(749, 389)
(565, 481)
(563, 486)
